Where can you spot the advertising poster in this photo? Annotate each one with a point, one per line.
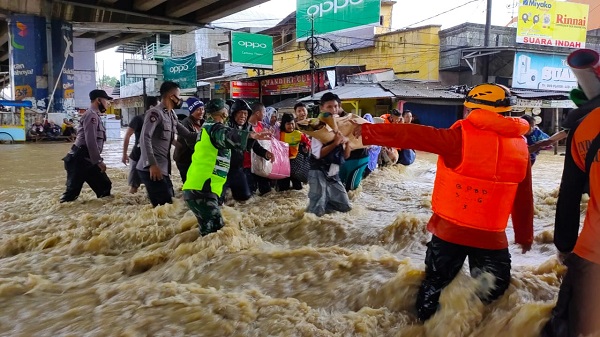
(27, 34)
(181, 70)
(62, 55)
(542, 71)
(552, 23)
(244, 89)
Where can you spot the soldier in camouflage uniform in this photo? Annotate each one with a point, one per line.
(210, 163)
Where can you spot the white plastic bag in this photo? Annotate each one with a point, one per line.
(280, 167)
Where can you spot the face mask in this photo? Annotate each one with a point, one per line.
(179, 104)
(101, 107)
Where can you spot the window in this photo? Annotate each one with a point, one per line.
(381, 20)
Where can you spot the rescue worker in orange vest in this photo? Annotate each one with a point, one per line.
(577, 311)
(394, 117)
(483, 177)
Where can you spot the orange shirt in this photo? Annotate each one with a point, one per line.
(448, 144)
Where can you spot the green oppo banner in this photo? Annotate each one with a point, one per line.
(334, 15)
(252, 50)
(181, 70)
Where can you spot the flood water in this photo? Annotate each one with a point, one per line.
(118, 267)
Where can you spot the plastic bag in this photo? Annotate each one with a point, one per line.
(280, 167)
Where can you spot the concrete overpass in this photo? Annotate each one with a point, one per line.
(117, 22)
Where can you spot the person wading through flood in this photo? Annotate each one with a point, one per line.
(210, 164)
(483, 176)
(84, 163)
(158, 133)
(577, 312)
(183, 152)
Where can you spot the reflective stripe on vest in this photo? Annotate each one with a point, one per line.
(480, 192)
(207, 164)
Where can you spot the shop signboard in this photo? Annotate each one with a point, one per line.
(552, 23)
(27, 34)
(542, 71)
(244, 89)
(334, 15)
(293, 84)
(252, 50)
(181, 70)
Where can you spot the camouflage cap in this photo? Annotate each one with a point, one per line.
(215, 106)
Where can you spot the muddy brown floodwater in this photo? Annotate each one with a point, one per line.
(118, 267)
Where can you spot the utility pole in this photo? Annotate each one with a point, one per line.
(486, 59)
(312, 56)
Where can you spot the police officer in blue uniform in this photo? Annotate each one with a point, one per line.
(84, 163)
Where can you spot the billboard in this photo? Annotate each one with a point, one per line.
(84, 70)
(181, 70)
(27, 45)
(542, 71)
(243, 89)
(294, 84)
(252, 50)
(62, 55)
(552, 23)
(334, 15)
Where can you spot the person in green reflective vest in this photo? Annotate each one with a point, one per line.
(210, 163)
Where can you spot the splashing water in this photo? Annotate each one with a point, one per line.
(118, 267)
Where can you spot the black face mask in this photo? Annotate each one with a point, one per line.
(179, 104)
(101, 107)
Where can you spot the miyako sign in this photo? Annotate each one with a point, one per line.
(252, 50)
(552, 23)
(181, 70)
(334, 15)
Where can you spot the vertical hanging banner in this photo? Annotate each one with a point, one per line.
(334, 15)
(552, 23)
(27, 34)
(181, 70)
(62, 55)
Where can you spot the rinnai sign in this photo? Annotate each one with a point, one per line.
(252, 50)
(542, 71)
(334, 15)
(552, 23)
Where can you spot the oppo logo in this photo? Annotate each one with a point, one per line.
(248, 44)
(178, 69)
(328, 6)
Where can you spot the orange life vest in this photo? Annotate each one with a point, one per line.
(587, 244)
(479, 193)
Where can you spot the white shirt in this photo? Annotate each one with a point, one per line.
(316, 147)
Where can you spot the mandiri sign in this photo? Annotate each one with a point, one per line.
(542, 71)
(334, 15)
(552, 23)
(252, 50)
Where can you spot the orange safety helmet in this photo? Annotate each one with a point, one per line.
(490, 96)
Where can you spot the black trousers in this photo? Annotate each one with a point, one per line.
(80, 171)
(263, 185)
(237, 181)
(284, 184)
(577, 310)
(443, 262)
(159, 192)
(183, 169)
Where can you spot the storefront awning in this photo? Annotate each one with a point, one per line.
(353, 92)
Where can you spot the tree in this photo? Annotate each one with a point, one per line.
(106, 81)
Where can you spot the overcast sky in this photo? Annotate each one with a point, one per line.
(407, 13)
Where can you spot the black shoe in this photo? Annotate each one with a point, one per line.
(66, 200)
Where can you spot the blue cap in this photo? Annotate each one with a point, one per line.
(194, 103)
